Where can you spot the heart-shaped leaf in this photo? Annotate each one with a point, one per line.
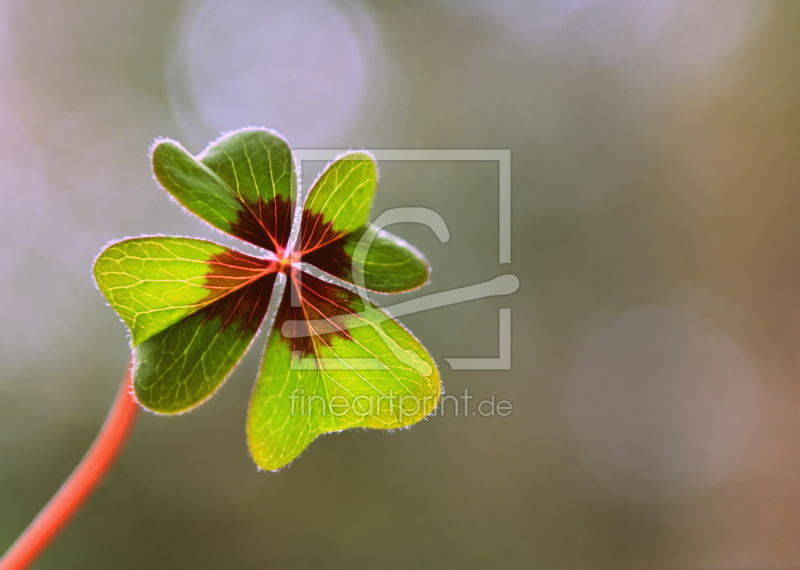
(334, 362)
(243, 184)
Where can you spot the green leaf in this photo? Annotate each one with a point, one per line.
(153, 282)
(243, 184)
(339, 201)
(344, 364)
(335, 220)
(185, 363)
(386, 262)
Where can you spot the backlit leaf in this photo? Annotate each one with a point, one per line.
(243, 184)
(344, 364)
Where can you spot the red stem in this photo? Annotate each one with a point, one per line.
(80, 485)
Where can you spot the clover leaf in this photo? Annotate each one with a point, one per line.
(333, 359)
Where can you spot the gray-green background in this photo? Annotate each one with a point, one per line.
(655, 235)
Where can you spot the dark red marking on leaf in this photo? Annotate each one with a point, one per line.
(243, 309)
(332, 258)
(265, 225)
(232, 270)
(319, 303)
(316, 232)
(239, 288)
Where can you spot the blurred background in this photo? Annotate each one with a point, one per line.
(654, 378)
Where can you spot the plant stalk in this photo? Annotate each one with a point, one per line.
(81, 484)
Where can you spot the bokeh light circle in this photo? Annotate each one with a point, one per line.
(305, 69)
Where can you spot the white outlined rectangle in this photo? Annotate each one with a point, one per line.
(503, 158)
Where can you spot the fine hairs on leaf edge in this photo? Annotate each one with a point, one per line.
(227, 134)
(357, 428)
(336, 158)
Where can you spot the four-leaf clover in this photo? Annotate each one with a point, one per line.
(333, 359)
